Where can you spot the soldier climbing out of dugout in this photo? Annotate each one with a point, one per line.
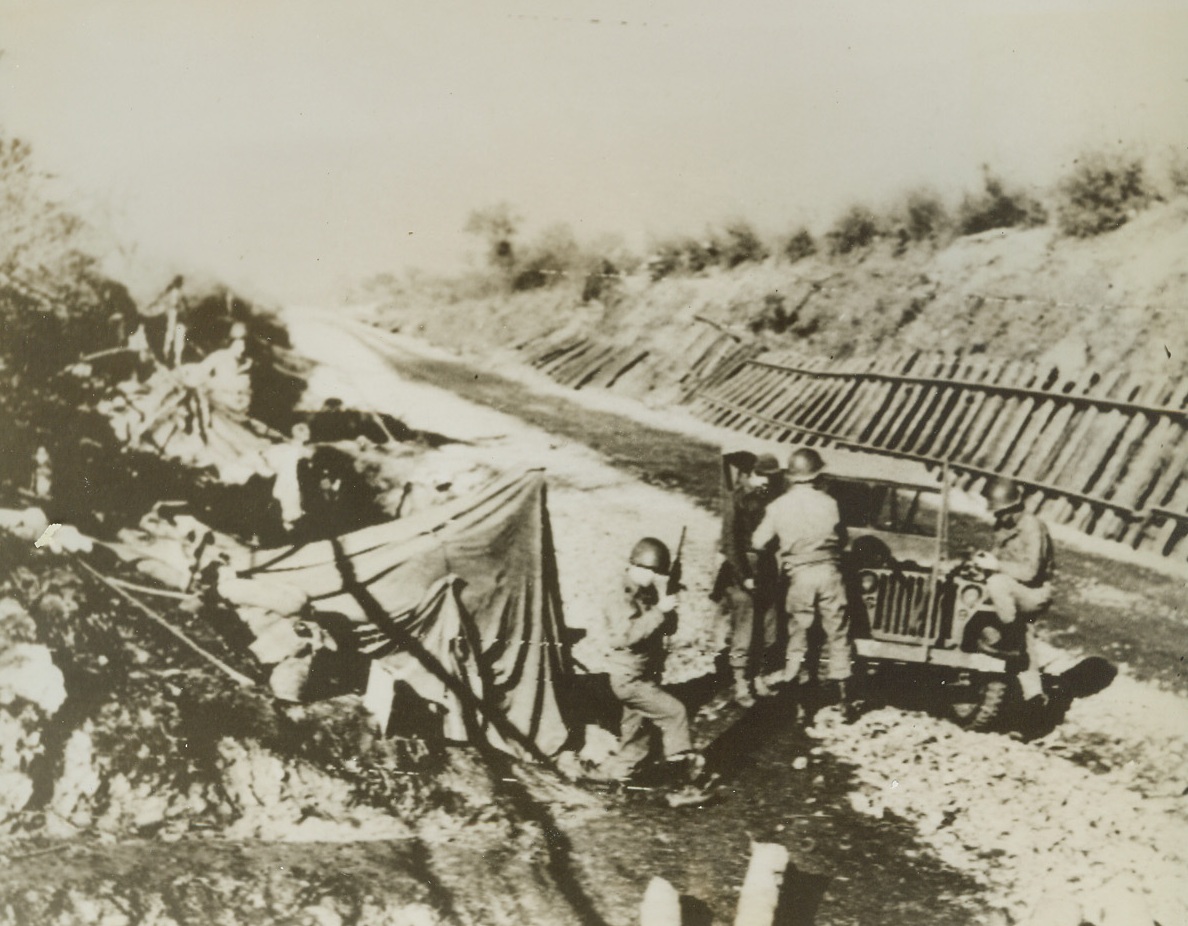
(805, 527)
(747, 582)
(1020, 568)
(637, 616)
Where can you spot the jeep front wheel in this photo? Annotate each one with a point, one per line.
(976, 706)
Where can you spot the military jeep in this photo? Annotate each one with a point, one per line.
(910, 605)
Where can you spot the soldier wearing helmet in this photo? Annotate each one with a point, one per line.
(1020, 568)
(637, 617)
(747, 581)
(804, 526)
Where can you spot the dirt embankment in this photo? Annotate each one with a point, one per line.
(1022, 294)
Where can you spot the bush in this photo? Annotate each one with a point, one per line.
(858, 228)
(700, 255)
(551, 257)
(923, 216)
(1177, 173)
(740, 244)
(1102, 193)
(996, 206)
(664, 261)
(800, 244)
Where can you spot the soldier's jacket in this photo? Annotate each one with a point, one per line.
(805, 525)
(631, 638)
(742, 516)
(1024, 550)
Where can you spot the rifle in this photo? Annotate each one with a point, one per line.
(674, 574)
(668, 628)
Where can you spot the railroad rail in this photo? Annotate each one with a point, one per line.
(1104, 452)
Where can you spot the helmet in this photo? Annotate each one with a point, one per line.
(805, 465)
(766, 465)
(652, 554)
(1002, 495)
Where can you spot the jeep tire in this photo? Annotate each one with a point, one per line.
(981, 707)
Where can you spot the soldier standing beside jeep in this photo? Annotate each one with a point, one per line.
(747, 582)
(806, 527)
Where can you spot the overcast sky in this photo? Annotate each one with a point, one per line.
(301, 145)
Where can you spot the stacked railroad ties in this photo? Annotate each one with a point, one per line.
(1102, 452)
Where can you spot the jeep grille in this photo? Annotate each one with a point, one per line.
(896, 604)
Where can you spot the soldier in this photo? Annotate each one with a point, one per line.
(805, 526)
(747, 581)
(1020, 571)
(638, 616)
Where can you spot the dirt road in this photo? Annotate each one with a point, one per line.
(902, 818)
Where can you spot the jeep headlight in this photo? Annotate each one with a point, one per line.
(869, 582)
(970, 595)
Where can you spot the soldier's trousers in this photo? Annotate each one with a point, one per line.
(1011, 598)
(645, 701)
(816, 592)
(752, 628)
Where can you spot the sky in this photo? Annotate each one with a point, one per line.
(296, 147)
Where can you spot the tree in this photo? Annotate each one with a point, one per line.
(498, 226)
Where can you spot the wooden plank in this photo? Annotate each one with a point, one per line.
(1082, 433)
(934, 414)
(886, 400)
(1038, 420)
(788, 406)
(810, 399)
(920, 415)
(742, 389)
(574, 355)
(1161, 447)
(1130, 468)
(827, 411)
(981, 415)
(1009, 421)
(966, 410)
(969, 443)
(1168, 537)
(950, 414)
(1046, 449)
(1105, 457)
(842, 422)
(585, 373)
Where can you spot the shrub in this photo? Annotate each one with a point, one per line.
(552, 256)
(739, 244)
(923, 216)
(664, 261)
(1177, 173)
(858, 228)
(1102, 193)
(700, 255)
(996, 206)
(800, 244)
(498, 226)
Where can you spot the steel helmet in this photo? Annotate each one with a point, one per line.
(805, 465)
(766, 465)
(1003, 495)
(652, 554)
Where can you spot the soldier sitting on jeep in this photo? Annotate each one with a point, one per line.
(1020, 567)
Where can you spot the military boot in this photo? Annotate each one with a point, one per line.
(743, 696)
(851, 706)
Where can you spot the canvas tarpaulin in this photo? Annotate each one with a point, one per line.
(499, 543)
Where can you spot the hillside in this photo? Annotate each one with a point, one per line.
(1029, 294)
